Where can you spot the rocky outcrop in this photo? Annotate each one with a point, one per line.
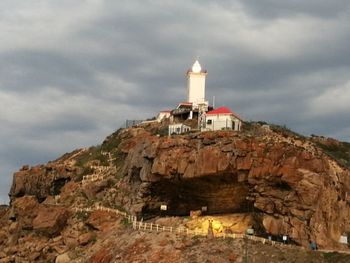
(50, 220)
(295, 188)
(101, 220)
(41, 181)
(285, 183)
(24, 210)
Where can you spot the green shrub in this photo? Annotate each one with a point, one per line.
(163, 131)
(112, 142)
(82, 215)
(335, 257)
(125, 222)
(92, 154)
(340, 152)
(78, 178)
(285, 131)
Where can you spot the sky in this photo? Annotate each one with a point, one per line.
(72, 71)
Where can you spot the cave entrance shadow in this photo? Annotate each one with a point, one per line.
(219, 194)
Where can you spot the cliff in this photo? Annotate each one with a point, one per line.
(286, 184)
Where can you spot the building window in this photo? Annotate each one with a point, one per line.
(209, 122)
(233, 125)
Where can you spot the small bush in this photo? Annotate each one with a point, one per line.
(340, 152)
(110, 183)
(93, 154)
(336, 257)
(78, 178)
(112, 142)
(285, 131)
(163, 131)
(82, 215)
(125, 222)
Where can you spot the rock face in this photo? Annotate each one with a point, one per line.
(25, 210)
(50, 220)
(286, 183)
(295, 188)
(41, 181)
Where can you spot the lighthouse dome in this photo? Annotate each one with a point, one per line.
(196, 68)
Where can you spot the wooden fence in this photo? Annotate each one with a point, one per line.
(92, 178)
(145, 226)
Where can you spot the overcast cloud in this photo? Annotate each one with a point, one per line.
(72, 71)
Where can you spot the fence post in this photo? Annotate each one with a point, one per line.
(171, 229)
(151, 226)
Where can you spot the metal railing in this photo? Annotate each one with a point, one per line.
(131, 123)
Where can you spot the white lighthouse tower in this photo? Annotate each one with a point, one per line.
(196, 85)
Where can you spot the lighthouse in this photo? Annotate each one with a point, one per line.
(196, 85)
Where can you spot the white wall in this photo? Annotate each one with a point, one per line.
(178, 128)
(196, 87)
(162, 115)
(222, 121)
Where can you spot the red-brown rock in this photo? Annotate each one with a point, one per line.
(50, 220)
(25, 209)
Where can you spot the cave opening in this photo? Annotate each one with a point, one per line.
(57, 184)
(219, 194)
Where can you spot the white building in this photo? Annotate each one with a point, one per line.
(196, 84)
(163, 115)
(178, 128)
(343, 239)
(222, 118)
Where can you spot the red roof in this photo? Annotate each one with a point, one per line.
(165, 111)
(222, 110)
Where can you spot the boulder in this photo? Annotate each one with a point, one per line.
(70, 238)
(85, 238)
(25, 209)
(63, 258)
(50, 220)
(102, 220)
(50, 178)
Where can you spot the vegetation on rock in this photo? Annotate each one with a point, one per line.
(266, 177)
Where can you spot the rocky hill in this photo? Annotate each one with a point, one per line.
(265, 177)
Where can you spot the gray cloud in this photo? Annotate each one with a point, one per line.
(278, 9)
(71, 72)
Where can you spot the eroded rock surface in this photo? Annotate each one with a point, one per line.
(50, 220)
(287, 183)
(298, 190)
